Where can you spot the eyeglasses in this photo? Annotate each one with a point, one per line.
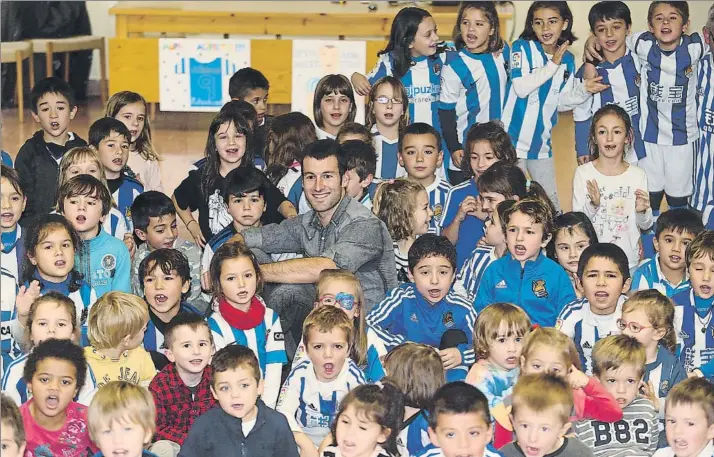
(383, 100)
(341, 300)
(634, 327)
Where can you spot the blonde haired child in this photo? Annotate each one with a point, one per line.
(121, 419)
(499, 334)
(548, 350)
(341, 288)
(690, 404)
(540, 416)
(403, 206)
(117, 322)
(619, 364)
(314, 388)
(648, 316)
(130, 108)
(418, 373)
(387, 116)
(83, 160)
(52, 315)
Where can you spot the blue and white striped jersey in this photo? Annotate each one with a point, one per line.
(469, 276)
(438, 192)
(154, 334)
(668, 88)
(704, 158)
(10, 350)
(14, 386)
(311, 405)
(586, 328)
(124, 197)
(213, 244)
(115, 224)
(413, 438)
(530, 120)
(474, 85)
(664, 373)
(623, 76)
(649, 275)
(12, 257)
(387, 160)
(709, 215)
(267, 341)
(471, 229)
(423, 84)
(695, 334)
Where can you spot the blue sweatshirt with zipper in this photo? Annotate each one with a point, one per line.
(541, 287)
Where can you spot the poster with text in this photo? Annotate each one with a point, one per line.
(194, 72)
(313, 59)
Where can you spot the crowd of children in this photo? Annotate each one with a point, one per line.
(514, 330)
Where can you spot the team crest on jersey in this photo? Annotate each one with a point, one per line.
(664, 387)
(638, 79)
(558, 324)
(128, 212)
(539, 289)
(566, 74)
(448, 319)
(83, 317)
(109, 262)
(437, 69)
(516, 60)
(438, 210)
(688, 71)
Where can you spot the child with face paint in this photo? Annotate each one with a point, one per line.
(341, 289)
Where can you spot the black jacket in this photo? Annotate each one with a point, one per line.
(217, 434)
(38, 172)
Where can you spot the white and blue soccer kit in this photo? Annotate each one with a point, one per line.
(586, 328)
(438, 192)
(12, 256)
(695, 333)
(311, 405)
(474, 86)
(623, 77)
(289, 181)
(649, 275)
(115, 224)
(423, 85)
(124, 197)
(154, 333)
(668, 104)
(471, 229)
(530, 119)
(664, 373)
(8, 293)
(387, 157)
(213, 244)
(267, 341)
(469, 276)
(703, 190)
(15, 386)
(413, 438)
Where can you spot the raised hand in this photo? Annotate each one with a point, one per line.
(560, 52)
(593, 193)
(642, 200)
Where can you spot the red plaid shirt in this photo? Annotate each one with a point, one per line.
(176, 408)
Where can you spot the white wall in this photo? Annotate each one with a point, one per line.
(103, 24)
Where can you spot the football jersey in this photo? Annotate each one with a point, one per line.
(387, 160)
(469, 276)
(154, 333)
(8, 292)
(529, 121)
(12, 256)
(664, 373)
(124, 197)
(586, 328)
(635, 435)
(695, 334)
(213, 244)
(474, 86)
(289, 181)
(115, 224)
(704, 159)
(623, 77)
(438, 192)
(649, 275)
(668, 88)
(311, 405)
(413, 438)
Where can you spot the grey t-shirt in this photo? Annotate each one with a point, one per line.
(572, 447)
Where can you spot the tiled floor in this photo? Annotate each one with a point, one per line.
(181, 137)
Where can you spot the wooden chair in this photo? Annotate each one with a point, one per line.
(17, 51)
(73, 44)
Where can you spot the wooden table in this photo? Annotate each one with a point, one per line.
(133, 62)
